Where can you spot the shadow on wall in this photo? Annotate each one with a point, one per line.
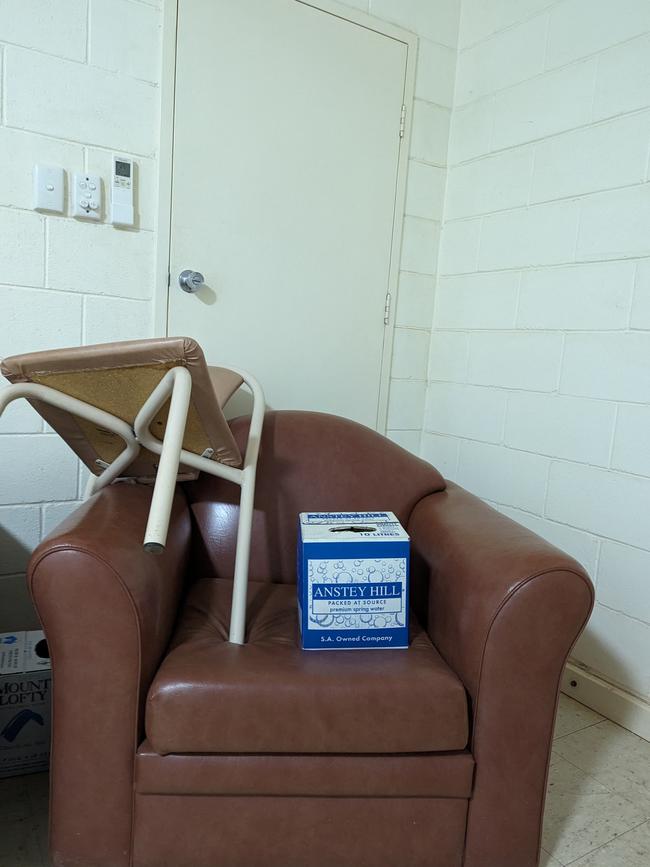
(16, 609)
(14, 555)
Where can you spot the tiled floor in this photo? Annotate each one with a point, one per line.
(598, 805)
(597, 813)
(23, 821)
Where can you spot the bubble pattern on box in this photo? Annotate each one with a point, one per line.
(368, 593)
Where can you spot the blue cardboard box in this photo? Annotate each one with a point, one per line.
(353, 574)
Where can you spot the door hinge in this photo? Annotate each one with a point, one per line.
(402, 121)
(387, 309)
(169, 279)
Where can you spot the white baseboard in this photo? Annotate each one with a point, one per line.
(621, 707)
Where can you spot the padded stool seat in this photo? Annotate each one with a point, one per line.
(118, 378)
(269, 696)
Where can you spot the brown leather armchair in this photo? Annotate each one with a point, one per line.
(174, 748)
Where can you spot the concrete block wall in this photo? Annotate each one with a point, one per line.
(79, 81)
(539, 369)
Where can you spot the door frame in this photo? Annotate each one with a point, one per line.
(162, 286)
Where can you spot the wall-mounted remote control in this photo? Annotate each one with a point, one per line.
(122, 191)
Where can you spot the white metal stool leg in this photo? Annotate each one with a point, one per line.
(178, 383)
(246, 504)
(244, 477)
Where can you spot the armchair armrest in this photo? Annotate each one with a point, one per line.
(504, 610)
(107, 607)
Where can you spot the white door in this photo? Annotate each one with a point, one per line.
(285, 167)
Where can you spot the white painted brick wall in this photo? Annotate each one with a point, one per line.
(420, 245)
(84, 104)
(443, 451)
(36, 319)
(538, 235)
(120, 33)
(493, 184)
(72, 93)
(564, 427)
(410, 354)
(449, 356)
(430, 132)
(22, 260)
(480, 300)
(459, 247)
(640, 317)
(465, 411)
(91, 259)
(623, 79)
(407, 439)
(613, 366)
(577, 297)
(406, 403)
(631, 452)
(106, 319)
(622, 580)
(482, 18)
(614, 224)
(425, 190)
(37, 468)
(436, 73)
(471, 132)
(505, 475)
(484, 71)
(544, 105)
(609, 503)
(57, 28)
(515, 359)
(541, 323)
(415, 300)
(581, 161)
(578, 28)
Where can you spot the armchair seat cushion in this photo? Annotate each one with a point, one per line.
(269, 696)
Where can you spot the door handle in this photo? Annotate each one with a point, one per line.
(190, 281)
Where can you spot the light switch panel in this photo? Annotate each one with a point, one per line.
(87, 197)
(49, 188)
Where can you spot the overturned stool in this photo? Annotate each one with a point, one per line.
(147, 410)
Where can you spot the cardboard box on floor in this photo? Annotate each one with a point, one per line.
(25, 704)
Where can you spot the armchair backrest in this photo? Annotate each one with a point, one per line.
(308, 462)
